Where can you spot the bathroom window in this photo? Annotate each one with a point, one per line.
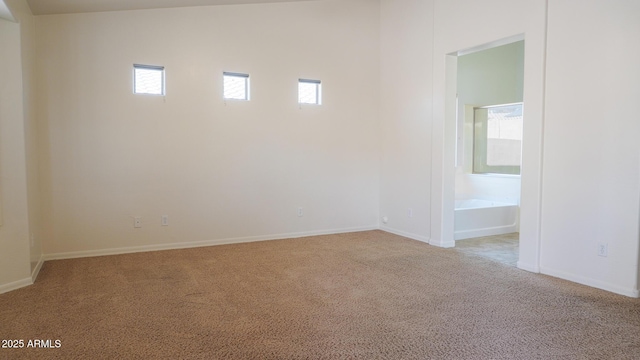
(309, 92)
(236, 86)
(148, 79)
(497, 139)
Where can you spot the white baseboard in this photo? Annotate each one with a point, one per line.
(528, 267)
(405, 234)
(631, 292)
(15, 285)
(186, 245)
(36, 270)
(443, 244)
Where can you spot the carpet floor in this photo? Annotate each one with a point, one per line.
(366, 295)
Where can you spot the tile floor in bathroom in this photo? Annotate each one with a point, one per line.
(501, 248)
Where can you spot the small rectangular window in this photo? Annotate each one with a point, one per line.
(309, 91)
(148, 79)
(497, 143)
(236, 86)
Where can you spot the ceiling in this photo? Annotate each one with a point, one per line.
(46, 7)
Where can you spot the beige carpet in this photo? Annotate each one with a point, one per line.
(368, 295)
(502, 248)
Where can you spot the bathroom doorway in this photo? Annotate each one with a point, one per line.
(489, 133)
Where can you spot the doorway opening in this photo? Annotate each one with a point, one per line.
(488, 150)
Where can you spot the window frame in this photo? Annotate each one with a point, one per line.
(149, 67)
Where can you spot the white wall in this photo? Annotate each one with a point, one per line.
(592, 172)
(489, 77)
(14, 229)
(406, 44)
(221, 171)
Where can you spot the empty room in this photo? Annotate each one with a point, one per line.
(319, 179)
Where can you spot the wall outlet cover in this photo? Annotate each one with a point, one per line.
(603, 249)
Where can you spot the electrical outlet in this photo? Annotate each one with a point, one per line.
(300, 212)
(137, 222)
(410, 213)
(165, 220)
(603, 249)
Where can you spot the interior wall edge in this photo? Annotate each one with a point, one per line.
(37, 268)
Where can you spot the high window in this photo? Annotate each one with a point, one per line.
(236, 86)
(309, 91)
(148, 79)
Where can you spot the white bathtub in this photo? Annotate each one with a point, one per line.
(476, 218)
